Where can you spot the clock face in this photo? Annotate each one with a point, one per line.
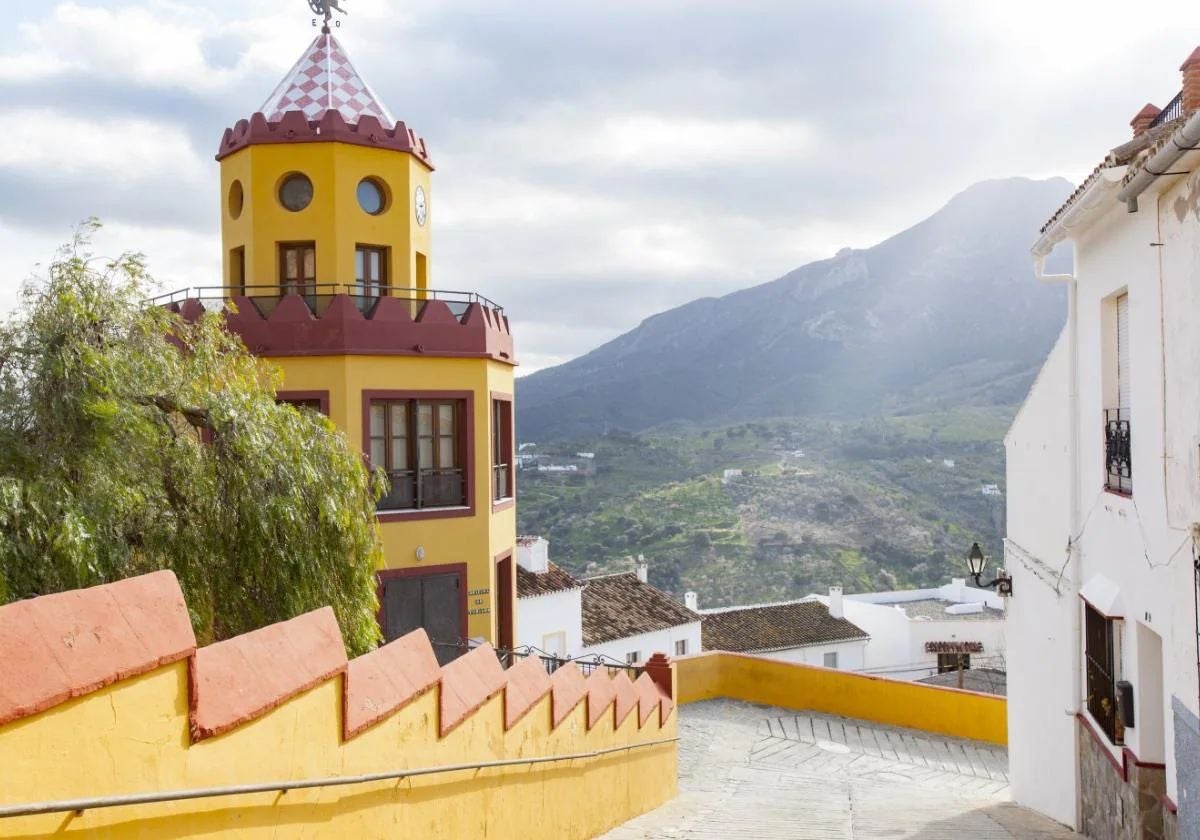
(419, 205)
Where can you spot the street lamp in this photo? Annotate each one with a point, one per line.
(976, 563)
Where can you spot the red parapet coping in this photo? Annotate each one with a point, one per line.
(385, 680)
(601, 694)
(467, 683)
(627, 697)
(295, 127)
(57, 647)
(528, 683)
(568, 688)
(242, 678)
(648, 698)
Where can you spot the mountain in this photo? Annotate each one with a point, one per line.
(944, 314)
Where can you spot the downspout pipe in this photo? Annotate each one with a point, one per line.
(1184, 140)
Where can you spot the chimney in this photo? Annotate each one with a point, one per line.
(1191, 82)
(643, 569)
(692, 601)
(1141, 121)
(835, 602)
(533, 554)
(958, 590)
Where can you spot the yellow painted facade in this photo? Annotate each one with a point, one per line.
(132, 737)
(255, 224)
(754, 679)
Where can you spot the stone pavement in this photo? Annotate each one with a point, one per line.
(762, 772)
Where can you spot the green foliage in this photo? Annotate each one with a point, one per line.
(132, 440)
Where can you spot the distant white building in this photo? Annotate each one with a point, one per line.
(730, 474)
(621, 616)
(948, 462)
(918, 633)
(588, 455)
(991, 490)
(792, 631)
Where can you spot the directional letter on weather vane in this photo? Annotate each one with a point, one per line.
(325, 9)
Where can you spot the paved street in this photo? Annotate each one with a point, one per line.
(756, 771)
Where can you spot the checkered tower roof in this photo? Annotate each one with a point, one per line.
(324, 79)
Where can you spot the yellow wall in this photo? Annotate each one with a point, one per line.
(132, 737)
(333, 219)
(474, 540)
(947, 711)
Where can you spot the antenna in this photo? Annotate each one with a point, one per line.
(325, 9)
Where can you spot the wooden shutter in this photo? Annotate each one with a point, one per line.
(1123, 377)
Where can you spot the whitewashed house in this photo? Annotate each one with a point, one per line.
(1103, 483)
(620, 617)
(920, 633)
(804, 631)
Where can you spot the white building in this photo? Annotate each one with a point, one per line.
(1103, 496)
(621, 617)
(802, 631)
(548, 602)
(918, 633)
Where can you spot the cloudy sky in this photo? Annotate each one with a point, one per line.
(597, 161)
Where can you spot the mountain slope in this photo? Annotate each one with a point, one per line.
(945, 312)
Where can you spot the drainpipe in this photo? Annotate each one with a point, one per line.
(1184, 140)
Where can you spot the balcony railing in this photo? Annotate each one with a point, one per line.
(1118, 460)
(1173, 110)
(318, 296)
(551, 662)
(418, 489)
(500, 482)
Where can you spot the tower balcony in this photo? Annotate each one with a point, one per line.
(323, 319)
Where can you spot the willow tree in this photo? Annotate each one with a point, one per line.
(133, 440)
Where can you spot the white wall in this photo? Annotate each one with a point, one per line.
(647, 644)
(541, 615)
(850, 654)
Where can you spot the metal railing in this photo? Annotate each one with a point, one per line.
(551, 662)
(78, 806)
(1118, 457)
(318, 296)
(1101, 685)
(1173, 111)
(417, 489)
(500, 482)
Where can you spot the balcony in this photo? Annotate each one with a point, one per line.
(1118, 461)
(422, 489)
(1174, 110)
(338, 318)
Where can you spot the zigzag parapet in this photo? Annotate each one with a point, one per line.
(105, 686)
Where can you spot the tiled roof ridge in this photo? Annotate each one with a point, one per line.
(777, 627)
(58, 647)
(550, 582)
(620, 605)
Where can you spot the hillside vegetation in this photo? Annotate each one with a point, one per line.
(867, 504)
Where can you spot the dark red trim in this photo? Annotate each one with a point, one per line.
(1121, 494)
(294, 127)
(1169, 804)
(320, 396)
(384, 575)
(389, 329)
(467, 452)
(1128, 757)
(510, 500)
(506, 637)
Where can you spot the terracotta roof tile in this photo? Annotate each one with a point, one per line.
(467, 683)
(616, 606)
(528, 683)
(568, 688)
(242, 678)
(775, 627)
(68, 644)
(387, 679)
(554, 579)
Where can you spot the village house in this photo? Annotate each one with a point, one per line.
(1103, 483)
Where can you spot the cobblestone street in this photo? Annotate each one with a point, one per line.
(755, 771)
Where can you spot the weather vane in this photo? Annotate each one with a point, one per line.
(325, 9)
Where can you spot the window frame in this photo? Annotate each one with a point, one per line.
(825, 659)
(505, 441)
(1107, 722)
(465, 444)
(633, 657)
(681, 647)
(297, 286)
(305, 399)
(382, 283)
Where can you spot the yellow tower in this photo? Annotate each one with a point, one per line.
(326, 216)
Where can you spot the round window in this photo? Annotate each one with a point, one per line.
(371, 196)
(296, 192)
(236, 197)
